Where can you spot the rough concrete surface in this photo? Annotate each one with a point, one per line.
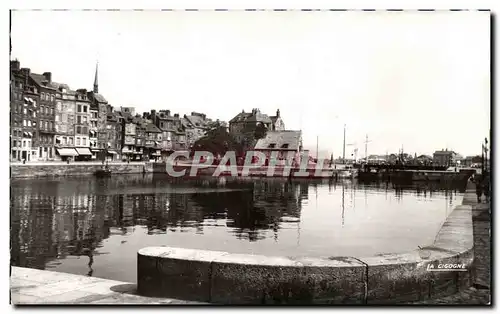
(31, 286)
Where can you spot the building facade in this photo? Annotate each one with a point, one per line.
(244, 125)
(65, 118)
(46, 117)
(24, 100)
(445, 157)
(153, 142)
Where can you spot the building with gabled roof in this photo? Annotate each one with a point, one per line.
(244, 124)
(281, 142)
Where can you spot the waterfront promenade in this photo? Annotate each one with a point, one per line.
(480, 291)
(32, 286)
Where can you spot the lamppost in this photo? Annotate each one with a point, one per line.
(485, 156)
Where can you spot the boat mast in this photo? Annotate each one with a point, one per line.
(343, 149)
(317, 147)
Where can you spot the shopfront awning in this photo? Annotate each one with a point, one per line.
(95, 150)
(112, 152)
(83, 151)
(67, 152)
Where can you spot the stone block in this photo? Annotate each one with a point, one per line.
(175, 273)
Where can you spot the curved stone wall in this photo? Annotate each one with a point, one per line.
(225, 278)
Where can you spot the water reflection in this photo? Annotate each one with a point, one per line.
(57, 219)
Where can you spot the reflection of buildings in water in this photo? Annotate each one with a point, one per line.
(31, 232)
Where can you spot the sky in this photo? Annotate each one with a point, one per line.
(413, 80)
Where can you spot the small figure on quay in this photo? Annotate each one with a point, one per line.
(479, 190)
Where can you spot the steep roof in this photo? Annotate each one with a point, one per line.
(197, 122)
(151, 128)
(280, 140)
(259, 117)
(39, 79)
(242, 116)
(99, 98)
(254, 116)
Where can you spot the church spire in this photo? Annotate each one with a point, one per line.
(96, 84)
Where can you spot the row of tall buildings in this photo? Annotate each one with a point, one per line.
(51, 121)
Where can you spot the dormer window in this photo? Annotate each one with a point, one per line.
(284, 146)
(272, 145)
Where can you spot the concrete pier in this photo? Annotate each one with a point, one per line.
(31, 286)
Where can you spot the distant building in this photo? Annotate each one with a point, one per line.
(444, 158)
(424, 160)
(277, 123)
(153, 141)
(196, 126)
(99, 105)
(46, 114)
(281, 142)
(173, 136)
(24, 101)
(244, 124)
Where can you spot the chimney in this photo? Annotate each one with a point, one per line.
(153, 116)
(48, 76)
(278, 113)
(15, 65)
(204, 116)
(26, 71)
(193, 113)
(176, 115)
(168, 112)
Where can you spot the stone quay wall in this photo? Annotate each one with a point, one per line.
(51, 169)
(225, 278)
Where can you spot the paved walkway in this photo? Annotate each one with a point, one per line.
(32, 286)
(480, 292)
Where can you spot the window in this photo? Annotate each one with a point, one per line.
(51, 125)
(42, 109)
(78, 141)
(25, 111)
(284, 146)
(51, 111)
(79, 108)
(43, 96)
(84, 108)
(70, 141)
(57, 118)
(24, 122)
(65, 140)
(84, 119)
(273, 145)
(34, 123)
(84, 141)
(79, 119)
(85, 130)
(78, 129)
(34, 114)
(52, 97)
